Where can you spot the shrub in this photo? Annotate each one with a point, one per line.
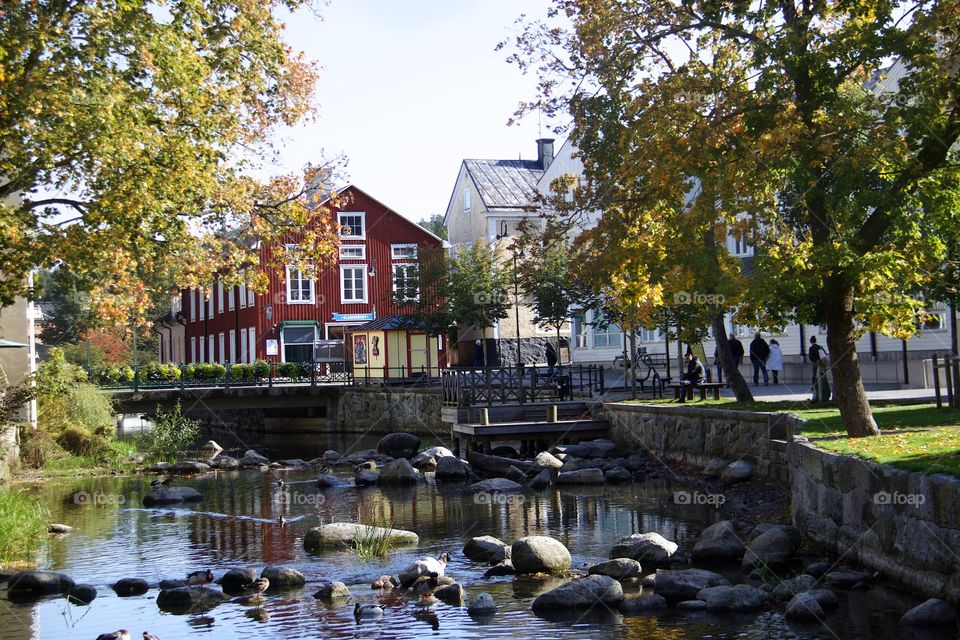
(171, 435)
(79, 442)
(157, 372)
(241, 372)
(261, 369)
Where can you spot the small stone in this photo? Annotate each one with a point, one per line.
(692, 605)
(504, 568)
(452, 594)
(618, 569)
(332, 591)
(482, 605)
(131, 587)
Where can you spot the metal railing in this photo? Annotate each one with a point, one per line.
(193, 375)
(950, 365)
(502, 385)
(422, 376)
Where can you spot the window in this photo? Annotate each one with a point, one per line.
(210, 303)
(243, 345)
(353, 252)
(649, 335)
(609, 336)
(193, 349)
(211, 354)
(252, 339)
(353, 284)
(406, 282)
(466, 198)
(201, 303)
(299, 286)
(243, 296)
(191, 302)
(352, 225)
(203, 355)
(579, 331)
(223, 351)
(233, 345)
(403, 251)
(230, 302)
(298, 343)
(935, 320)
(742, 248)
(219, 294)
(251, 297)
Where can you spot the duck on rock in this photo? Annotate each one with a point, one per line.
(429, 567)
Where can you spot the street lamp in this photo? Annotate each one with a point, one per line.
(516, 301)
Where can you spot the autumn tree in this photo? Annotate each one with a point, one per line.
(551, 286)
(791, 114)
(129, 135)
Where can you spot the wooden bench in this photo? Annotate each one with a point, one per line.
(703, 386)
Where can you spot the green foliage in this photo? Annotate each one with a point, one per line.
(172, 435)
(261, 369)
(434, 224)
(241, 372)
(375, 542)
(113, 374)
(157, 372)
(546, 277)
(23, 525)
(293, 370)
(70, 317)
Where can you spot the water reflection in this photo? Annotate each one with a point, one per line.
(236, 525)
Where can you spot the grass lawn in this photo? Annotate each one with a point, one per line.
(929, 450)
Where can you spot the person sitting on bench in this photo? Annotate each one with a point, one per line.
(693, 376)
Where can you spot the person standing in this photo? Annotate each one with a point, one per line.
(551, 354)
(775, 361)
(693, 376)
(817, 355)
(759, 351)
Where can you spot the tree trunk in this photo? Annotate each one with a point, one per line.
(633, 363)
(740, 387)
(849, 393)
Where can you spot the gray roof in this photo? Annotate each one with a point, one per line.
(505, 184)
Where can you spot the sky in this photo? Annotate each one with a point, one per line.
(409, 89)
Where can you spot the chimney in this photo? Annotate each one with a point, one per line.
(544, 152)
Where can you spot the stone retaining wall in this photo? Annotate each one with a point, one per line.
(387, 410)
(903, 524)
(696, 435)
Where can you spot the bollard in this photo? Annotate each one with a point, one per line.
(552, 413)
(484, 416)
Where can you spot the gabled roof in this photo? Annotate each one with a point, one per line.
(504, 184)
(353, 187)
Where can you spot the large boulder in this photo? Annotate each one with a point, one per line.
(542, 480)
(773, 548)
(81, 594)
(399, 445)
(400, 471)
(804, 606)
(582, 476)
(539, 554)
(35, 584)
(583, 593)
(547, 460)
(497, 465)
(618, 569)
(741, 597)
(932, 613)
(188, 467)
(495, 485)
(130, 587)
(600, 448)
(486, 549)
(646, 548)
(685, 584)
(643, 604)
(190, 599)
(452, 468)
(253, 459)
(341, 534)
(283, 577)
(718, 543)
(235, 580)
(617, 474)
(171, 495)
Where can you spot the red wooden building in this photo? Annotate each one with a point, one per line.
(303, 318)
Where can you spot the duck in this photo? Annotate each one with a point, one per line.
(122, 634)
(367, 611)
(258, 586)
(323, 470)
(385, 582)
(430, 567)
(149, 636)
(200, 577)
(425, 585)
(159, 482)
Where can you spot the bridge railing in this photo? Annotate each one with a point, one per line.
(517, 385)
(183, 376)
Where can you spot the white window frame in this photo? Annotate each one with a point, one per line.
(467, 204)
(202, 305)
(243, 345)
(231, 305)
(363, 224)
(221, 339)
(361, 247)
(243, 296)
(211, 305)
(300, 278)
(233, 345)
(251, 297)
(393, 274)
(649, 335)
(218, 292)
(366, 288)
(252, 344)
(740, 246)
(193, 349)
(192, 302)
(203, 355)
(395, 247)
(211, 354)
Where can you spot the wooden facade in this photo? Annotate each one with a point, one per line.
(302, 319)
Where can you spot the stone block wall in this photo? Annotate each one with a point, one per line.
(387, 410)
(696, 435)
(906, 525)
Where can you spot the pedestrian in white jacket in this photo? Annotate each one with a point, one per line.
(775, 361)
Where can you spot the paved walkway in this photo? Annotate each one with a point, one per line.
(799, 393)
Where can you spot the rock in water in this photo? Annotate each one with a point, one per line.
(35, 584)
(451, 594)
(190, 599)
(332, 591)
(633, 606)
(399, 445)
(540, 554)
(738, 598)
(171, 495)
(81, 594)
(932, 613)
(718, 543)
(772, 548)
(646, 548)
(618, 569)
(547, 460)
(59, 528)
(804, 606)
(283, 577)
(235, 580)
(452, 468)
(344, 534)
(581, 476)
(684, 584)
(130, 587)
(400, 471)
(486, 549)
(482, 605)
(253, 459)
(581, 594)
